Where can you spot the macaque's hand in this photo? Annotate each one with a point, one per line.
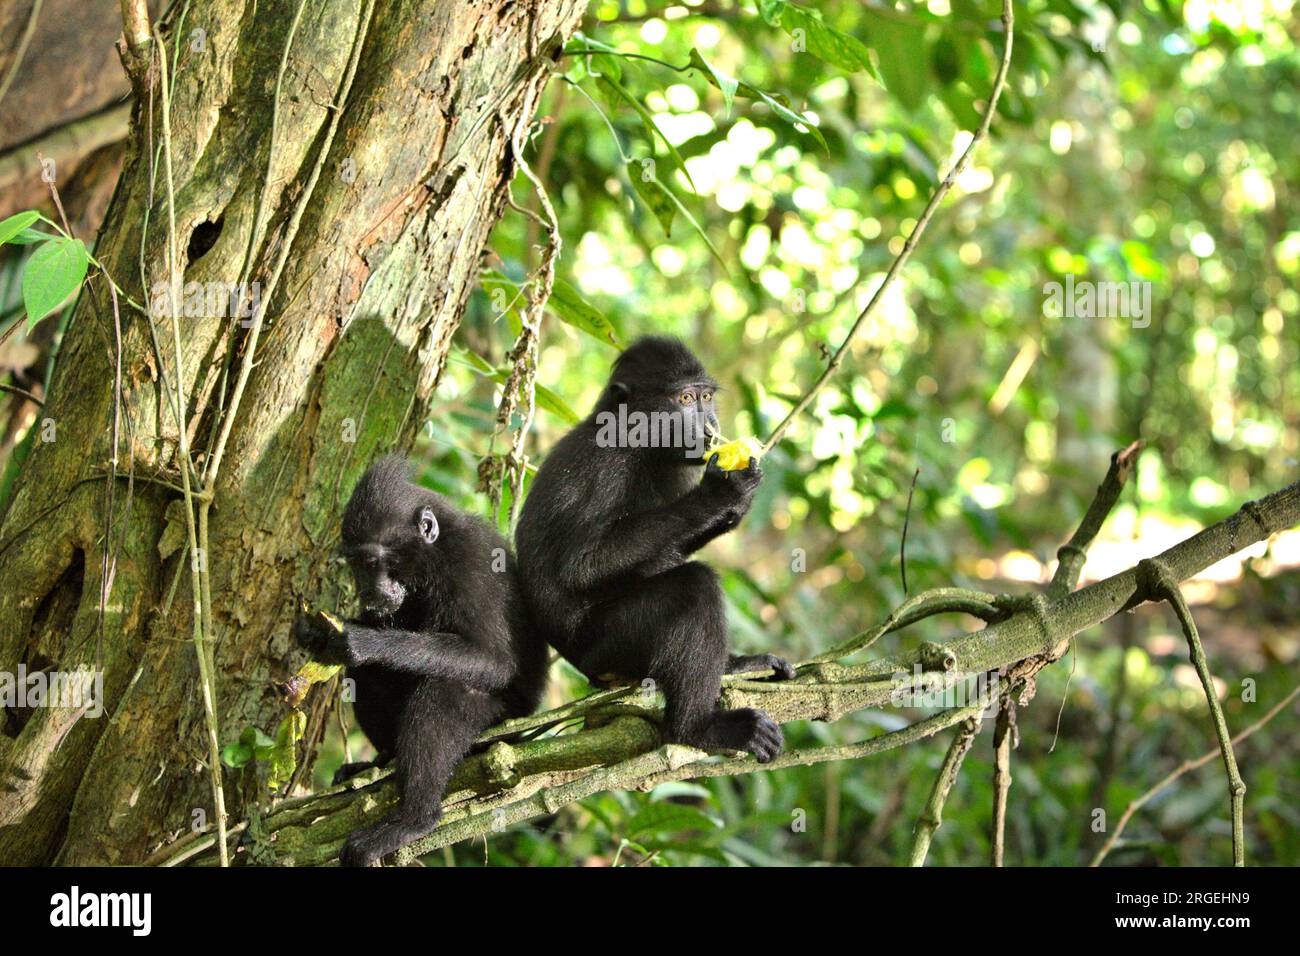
(320, 634)
(732, 490)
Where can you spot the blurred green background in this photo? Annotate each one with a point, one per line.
(1145, 142)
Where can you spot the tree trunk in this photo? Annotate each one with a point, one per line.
(383, 219)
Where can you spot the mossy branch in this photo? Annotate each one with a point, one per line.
(618, 747)
(1157, 584)
(932, 816)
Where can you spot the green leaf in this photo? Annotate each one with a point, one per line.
(657, 196)
(470, 359)
(236, 755)
(28, 237)
(654, 194)
(284, 751)
(894, 408)
(607, 65)
(823, 41)
(648, 121)
(636, 847)
(581, 43)
(780, 106)
(555, 405)
(545, 398)
(684, 788)
(904, 61)
(568, 303)
(673, 817)
(961, 108)
(728, 85)
(16, 224)
(505, 298)
(259, 743)
(694, 847)
(730, 88)
(53, 273)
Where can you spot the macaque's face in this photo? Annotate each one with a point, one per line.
(387, 562)
(695, 402)
(681, 419)
(662, 380)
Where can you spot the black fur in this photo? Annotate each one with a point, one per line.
(442, 648)
(604, 541)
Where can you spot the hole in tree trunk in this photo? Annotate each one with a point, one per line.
(51, 626)
(203, 238)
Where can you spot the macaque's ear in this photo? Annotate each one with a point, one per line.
(428, 526)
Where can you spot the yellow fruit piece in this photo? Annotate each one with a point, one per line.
(313, 672)
(735, 455)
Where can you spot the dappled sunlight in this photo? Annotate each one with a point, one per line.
(1110, 555)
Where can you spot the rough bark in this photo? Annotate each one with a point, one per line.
(357, 332)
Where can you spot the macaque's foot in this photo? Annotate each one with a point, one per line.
(368, 846)
(745, 729)
(360, 849)
(350, 770)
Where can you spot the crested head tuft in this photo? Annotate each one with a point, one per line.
(385, 483)
(658, 361)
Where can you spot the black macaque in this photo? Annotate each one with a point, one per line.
(605, 536)
(442, 648)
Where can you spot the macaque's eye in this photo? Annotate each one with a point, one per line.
(428, 526)
(687, 397)
(706, 397)
(363, 561)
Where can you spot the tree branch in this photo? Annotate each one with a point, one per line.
(932, 816)
(1072, 554)
(66, 145)
(1157, 582)
(1004, 735)
(1184, 768)
(619, 747)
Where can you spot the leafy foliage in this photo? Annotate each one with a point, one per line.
(742, 173)
(1135, 143)
(54, 270)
